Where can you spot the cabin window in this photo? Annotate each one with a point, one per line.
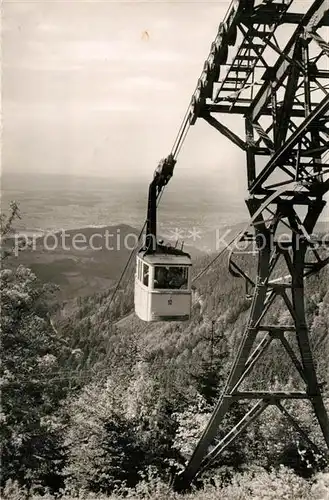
(173, 278)
(145, 274)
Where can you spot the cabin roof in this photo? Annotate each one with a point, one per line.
(166, 255)
(167, 260)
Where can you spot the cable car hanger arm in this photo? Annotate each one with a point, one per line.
(162, 175)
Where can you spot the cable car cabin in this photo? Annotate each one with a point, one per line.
(163, 285)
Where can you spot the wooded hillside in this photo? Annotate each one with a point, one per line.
(95, 400)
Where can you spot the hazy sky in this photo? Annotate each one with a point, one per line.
(86, 92)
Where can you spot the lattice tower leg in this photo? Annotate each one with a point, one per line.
(265, 292)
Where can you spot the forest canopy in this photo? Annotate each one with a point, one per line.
(94, 400)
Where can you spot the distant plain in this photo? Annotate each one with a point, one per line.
(194, 210)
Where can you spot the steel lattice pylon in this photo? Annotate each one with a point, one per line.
(286, 139)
